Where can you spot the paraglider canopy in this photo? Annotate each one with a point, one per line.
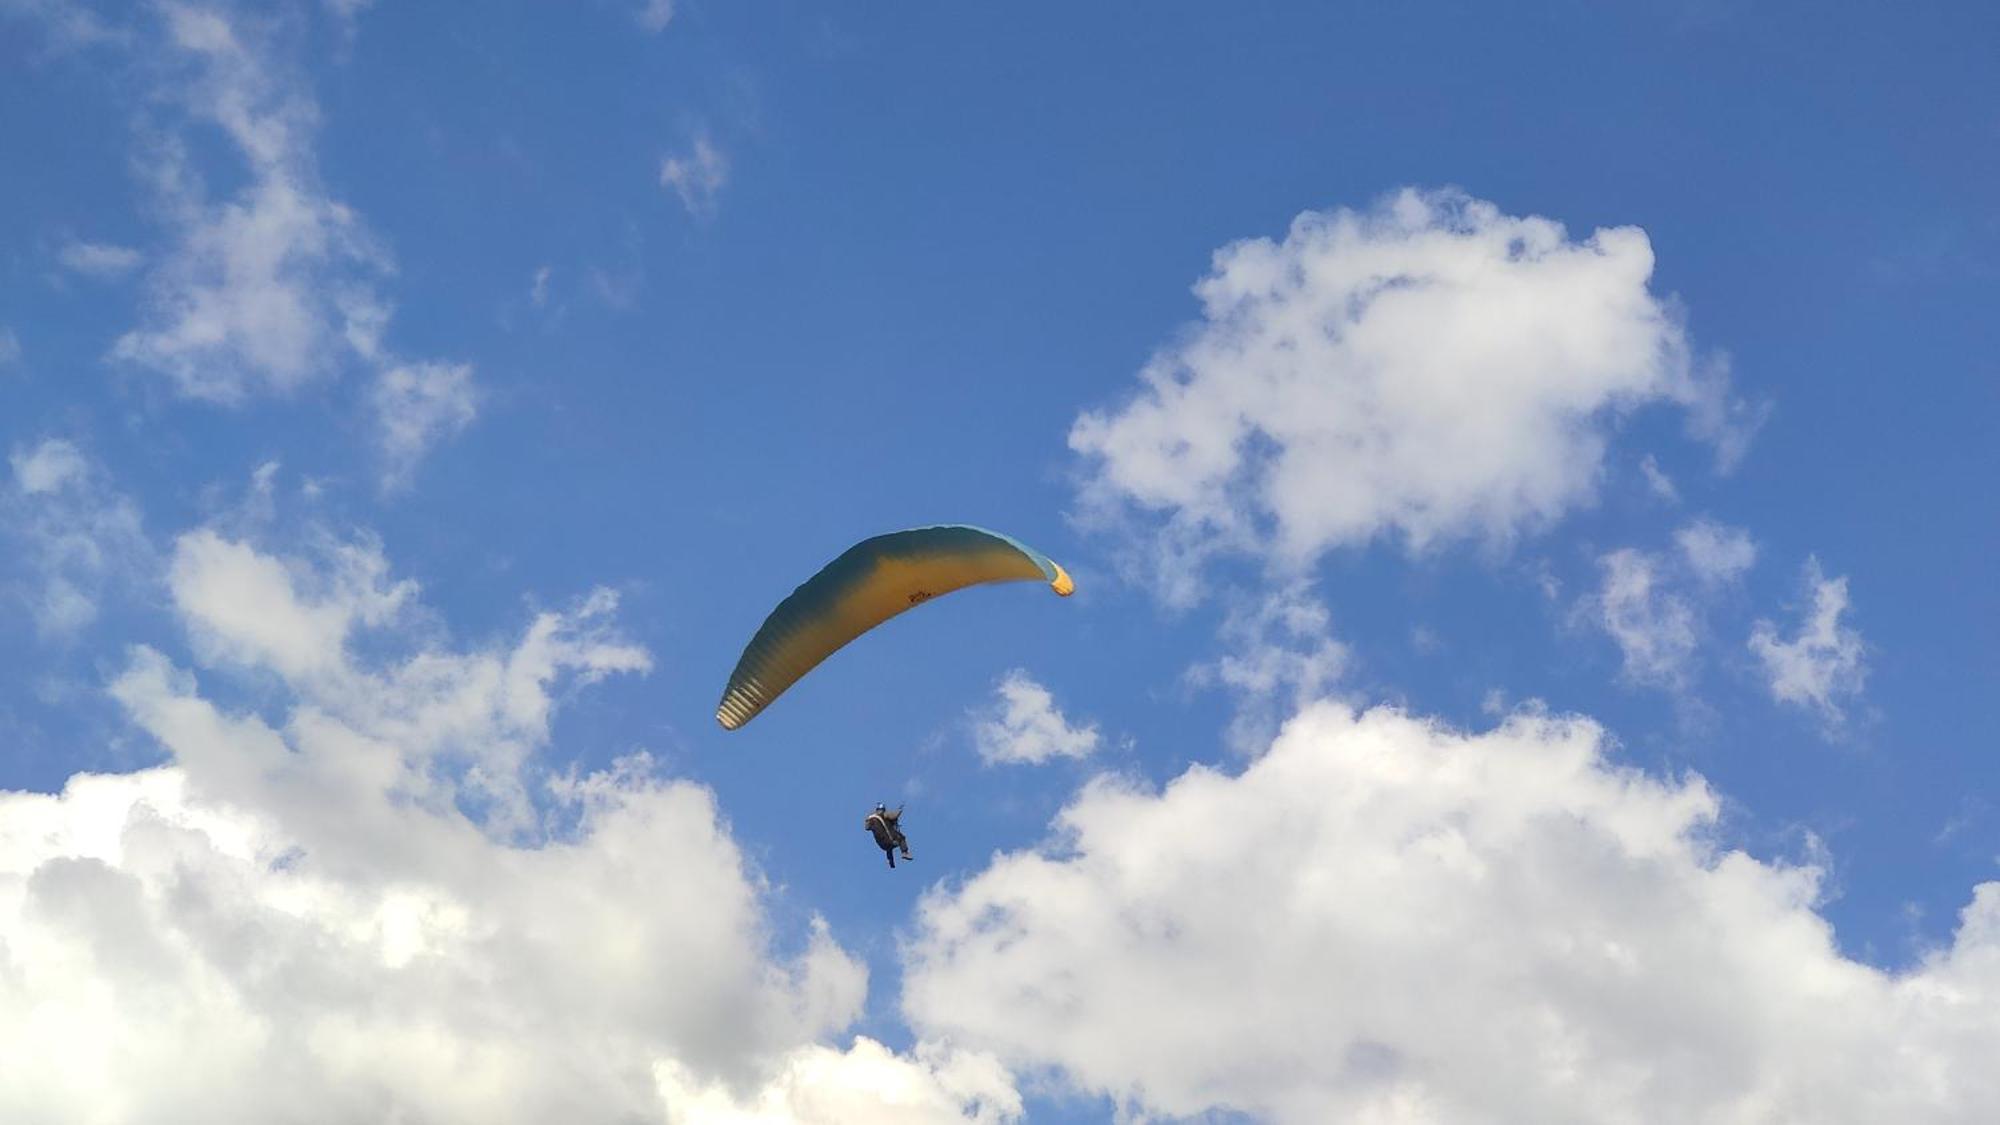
(869, 583)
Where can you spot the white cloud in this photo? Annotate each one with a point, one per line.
(48, 467)
(484, 713)
(1280, 655)
(866, 1085)
(1718, 555)
(1429, 369)
(246, 607)
(376, 899)
(1655, 627)
(253, 296)
(696, 176)
(348, 10)
(1823, 665)
(1658, 481)
(278, 285)
(101, 260)
(538, 292)
(71, 24)
(75, 537)
(1384, 920)
(1023, 725)
(1656, 606)
(654, 15)
(618, 289)
(10, 347)
(418, 405)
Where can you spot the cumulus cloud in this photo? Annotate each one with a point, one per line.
(1823, 666)
(1429, 369)
(1023, 725)
(1382, 919)
(101, 260)
(74, 535)
(866, 1085)
(246, 607)
(481, 714)
(697, 176)
(418, 405)
(373, 897)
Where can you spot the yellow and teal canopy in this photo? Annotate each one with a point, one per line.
(870, 582)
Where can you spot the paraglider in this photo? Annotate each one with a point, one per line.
(869, 583)
(887, 828)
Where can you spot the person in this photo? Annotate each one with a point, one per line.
(885, 826)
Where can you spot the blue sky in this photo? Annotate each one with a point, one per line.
(453, 391)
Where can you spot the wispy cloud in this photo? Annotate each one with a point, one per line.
(654, 15)
(277, 285)
(1823, 666)
(1717, 554)
(71, 24)
(1655, 606)
(255, 293)
(101, 260)
(696, 176)
(1658, 482)
(1281, 654)
(418, 405)
(74, 538)
(47, 467)
(1655, 627)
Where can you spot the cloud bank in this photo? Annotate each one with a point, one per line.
(1385, 920)
(359, 889)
